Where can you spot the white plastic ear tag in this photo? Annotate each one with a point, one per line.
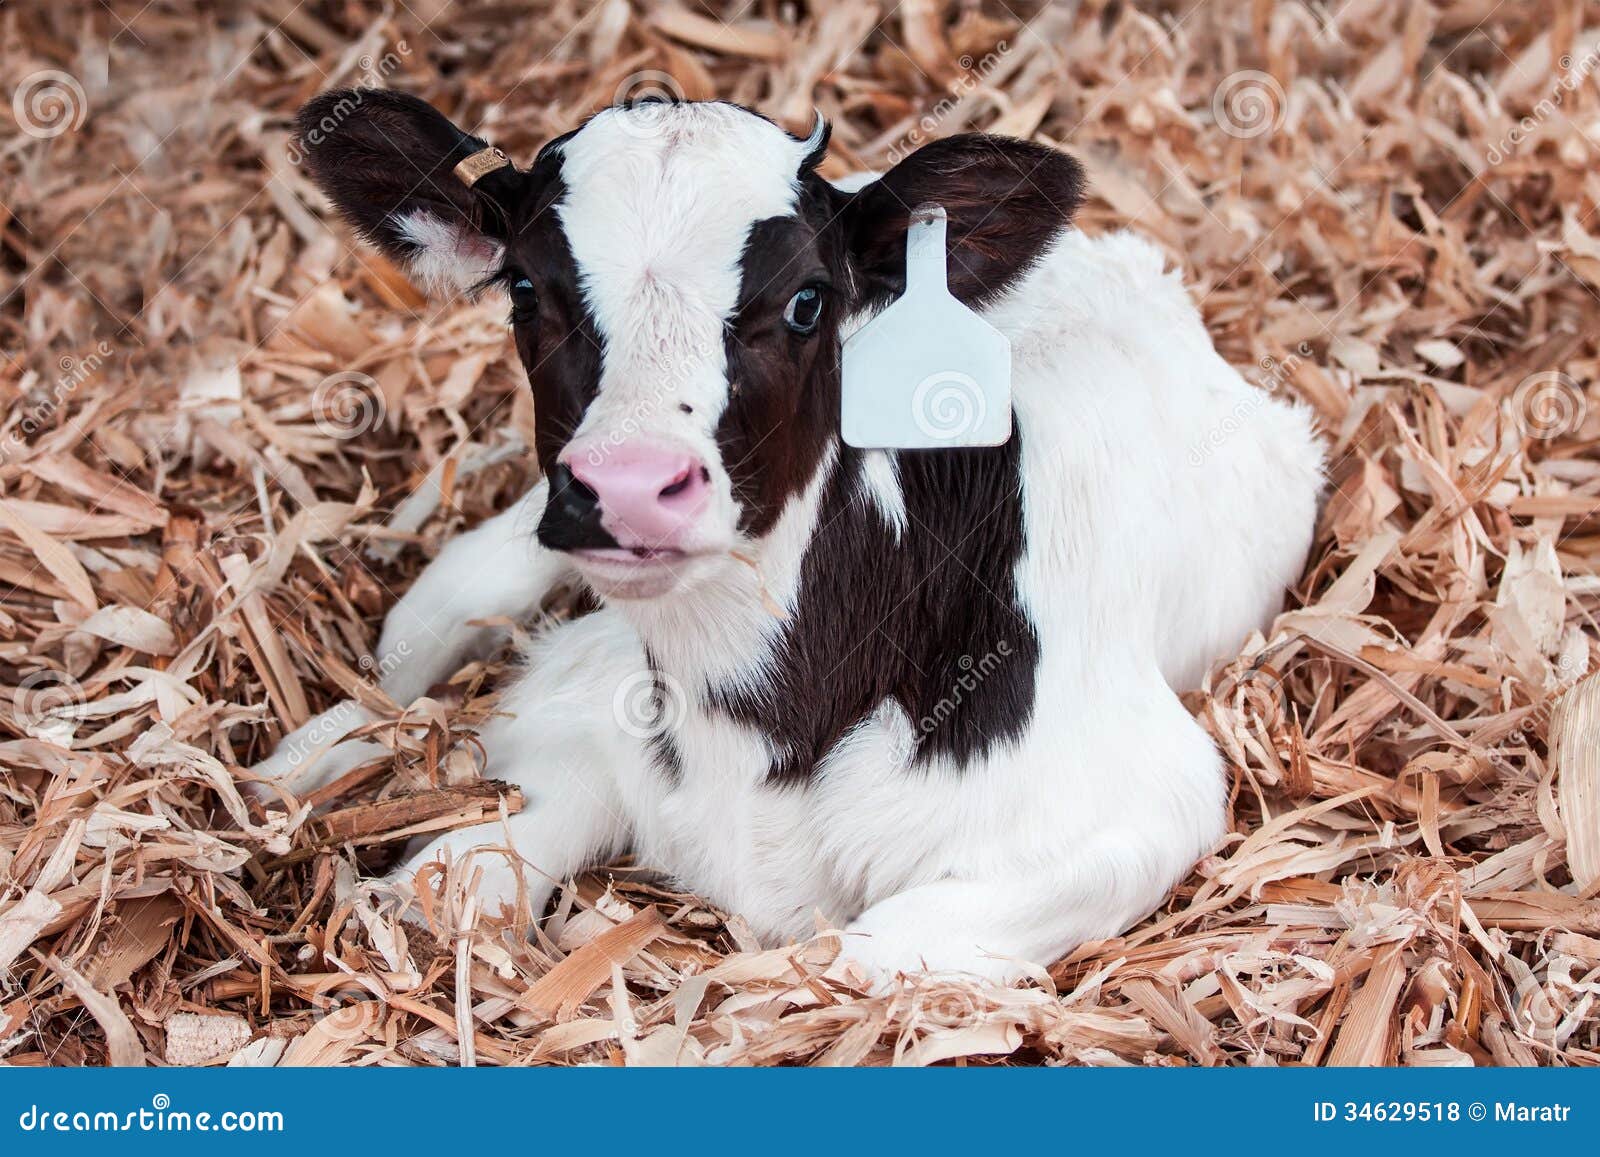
(927, 373)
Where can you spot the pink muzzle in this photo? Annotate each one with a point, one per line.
(651, 493)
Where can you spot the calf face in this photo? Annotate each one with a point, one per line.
(679, 278)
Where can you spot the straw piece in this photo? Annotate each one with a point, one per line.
(1575, 751)
(54, 557)
(566, 985)
(123, 1046)
(1365, 1036)
(742, 38)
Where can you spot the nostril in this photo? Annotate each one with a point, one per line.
(678, 485)
(566, 486)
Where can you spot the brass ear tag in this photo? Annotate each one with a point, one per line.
(480, 164)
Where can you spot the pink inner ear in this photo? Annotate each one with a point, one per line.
(450, 257)
(476, 248)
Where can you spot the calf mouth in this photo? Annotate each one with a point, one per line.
(631, 572)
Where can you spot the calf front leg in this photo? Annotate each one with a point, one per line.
(559, 740)
(496, 570)
(1001, 929)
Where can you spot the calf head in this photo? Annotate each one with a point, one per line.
(679, 279)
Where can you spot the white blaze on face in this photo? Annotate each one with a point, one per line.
(660, 199)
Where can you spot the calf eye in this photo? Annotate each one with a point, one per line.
(524, 301)
(804, 310)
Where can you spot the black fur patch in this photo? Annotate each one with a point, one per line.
(380, 155)
(932, 622)
(561, 348)
(783, 388)
(668, 760)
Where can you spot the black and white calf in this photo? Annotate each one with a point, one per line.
(927, 695)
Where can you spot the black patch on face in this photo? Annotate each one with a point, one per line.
(783, 387)
(560, 348)
(1005, 201)
(932, 622)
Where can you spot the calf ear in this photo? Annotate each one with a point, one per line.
(388, 162)
(1005, 200)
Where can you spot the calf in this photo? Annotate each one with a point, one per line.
(925, 696)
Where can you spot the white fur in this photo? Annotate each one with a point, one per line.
(660, 200)
(449, 259)
(880, 486)
(1143, 563)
